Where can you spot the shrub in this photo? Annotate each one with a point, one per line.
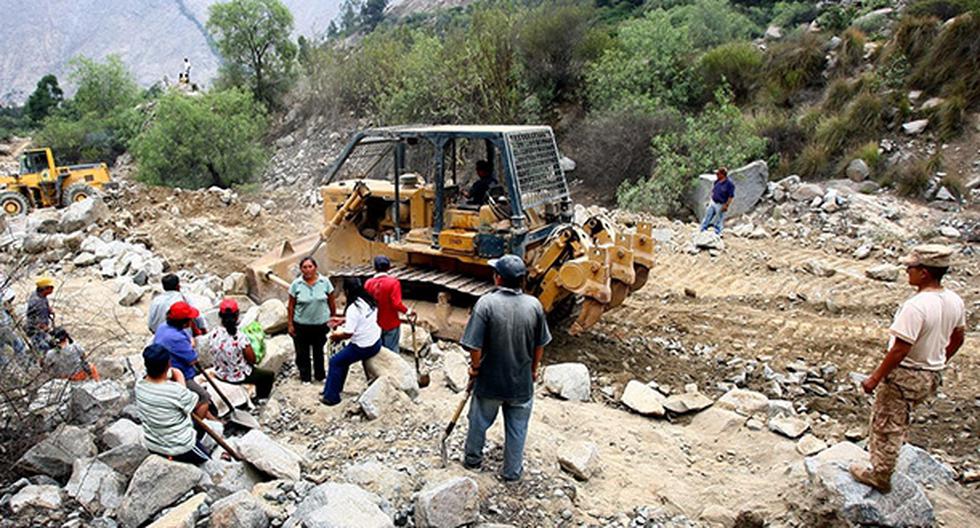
(784, 135)
(719, 136)
(833, 134)
(914, 36)
(839, 93)
(788, 14)
(738, 64)
(836, 18)
(104, 88)
(197, 142)
(794, 64)
(870, 153)
(951, 117)
(954, 185)
(942, 9)
(615, 146)
(850, 54)
(711, 22)
(813, 162)
(646, 65)
(860, 121)
(954, 56)
(910, 178)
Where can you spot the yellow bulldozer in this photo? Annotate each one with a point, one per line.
(401, 192)
(41, 183)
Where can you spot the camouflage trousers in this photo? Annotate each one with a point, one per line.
(895, 398)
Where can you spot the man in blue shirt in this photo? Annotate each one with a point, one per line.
(173, 336)
(722, 195)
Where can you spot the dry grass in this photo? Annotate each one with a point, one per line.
(953, 57)
(850, 54)
(813, 162)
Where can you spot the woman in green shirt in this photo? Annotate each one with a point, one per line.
(311, 305)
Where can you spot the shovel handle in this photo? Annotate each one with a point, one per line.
(217, 438)
(231, 408)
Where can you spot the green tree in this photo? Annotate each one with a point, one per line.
(104, 88)
(46, 97)
(253, 37)
(202, 141)
(719, 136)
(372, 13)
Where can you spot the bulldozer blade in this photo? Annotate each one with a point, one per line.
(591, 313)
(642, 274)
(619, 292)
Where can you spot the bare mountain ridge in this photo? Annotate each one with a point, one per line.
(151, 36)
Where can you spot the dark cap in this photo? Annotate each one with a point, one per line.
(382, 262)
(509, 266)
(155, 354)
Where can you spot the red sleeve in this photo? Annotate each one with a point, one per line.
(396, 296)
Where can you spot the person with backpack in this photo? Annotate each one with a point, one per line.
(234, 358)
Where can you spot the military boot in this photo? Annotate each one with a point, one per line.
(865, 475)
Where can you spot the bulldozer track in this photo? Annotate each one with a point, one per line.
(451, 281)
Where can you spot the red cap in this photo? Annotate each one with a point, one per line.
(228, 306)
(182, 310)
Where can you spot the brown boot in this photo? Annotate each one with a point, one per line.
(864, 475)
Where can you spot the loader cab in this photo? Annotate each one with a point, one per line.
(429, 172)
(36, 161)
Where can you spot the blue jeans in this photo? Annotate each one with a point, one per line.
(391, 338)
(483, 412)
(340, 363)
(713, 217)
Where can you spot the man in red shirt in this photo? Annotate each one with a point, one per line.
(387, 291)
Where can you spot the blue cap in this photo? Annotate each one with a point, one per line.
(155, 353)
(382, 262)
(509, 266)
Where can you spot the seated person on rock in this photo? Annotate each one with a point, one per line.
(173, 336)
(234, 359)
(164, 405)
(479, 192)
(361, 327)
(66, 359)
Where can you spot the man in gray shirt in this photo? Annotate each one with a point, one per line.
(161, 303)
(506, 336)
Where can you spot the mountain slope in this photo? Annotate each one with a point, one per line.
(151, 36)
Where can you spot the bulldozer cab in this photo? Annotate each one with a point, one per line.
(428, 188)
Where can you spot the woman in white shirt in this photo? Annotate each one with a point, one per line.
(361, 327)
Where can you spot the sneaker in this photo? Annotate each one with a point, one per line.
(329, 403)
(864, 475)
(473, 467)
(306, 383)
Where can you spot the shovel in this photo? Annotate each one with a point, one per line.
(444, 450)
(423, 378)
(217, 438)
(237, 416)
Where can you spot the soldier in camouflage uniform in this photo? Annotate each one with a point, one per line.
(928, 330)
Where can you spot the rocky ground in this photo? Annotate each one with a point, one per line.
(722, 394)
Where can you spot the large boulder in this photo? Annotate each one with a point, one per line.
(744, 402)
(422, 338)
(456, 368)
(129, 294)
(157, 483)
(273, 316)
(238, 510)
(268, 455)
(80, 215)
(125, 459)
(380, 397)
(229, 477)
(883, 272)
(184, 515)
(751, 183)
(95, 485)
(334, 505)
(448, 504)
(278, 350)
(857, 170)
(580, 459)
(789, 426)
(905, 506)
(570, 381)
(400, 372)
(93, 400)
(642, 399)
(121, 432)
(393, 485)
(54, 455)
(922, 467)
(45, 496)
(687, 402)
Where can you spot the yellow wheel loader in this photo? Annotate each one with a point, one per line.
(403, 192)
(41, 183)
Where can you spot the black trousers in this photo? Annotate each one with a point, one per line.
(262, 379)
(308, 342)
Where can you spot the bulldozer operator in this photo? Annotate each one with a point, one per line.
(479, 192)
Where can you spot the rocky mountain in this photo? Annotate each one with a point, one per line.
(151, 36)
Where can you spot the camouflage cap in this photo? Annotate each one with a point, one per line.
(932, 255)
